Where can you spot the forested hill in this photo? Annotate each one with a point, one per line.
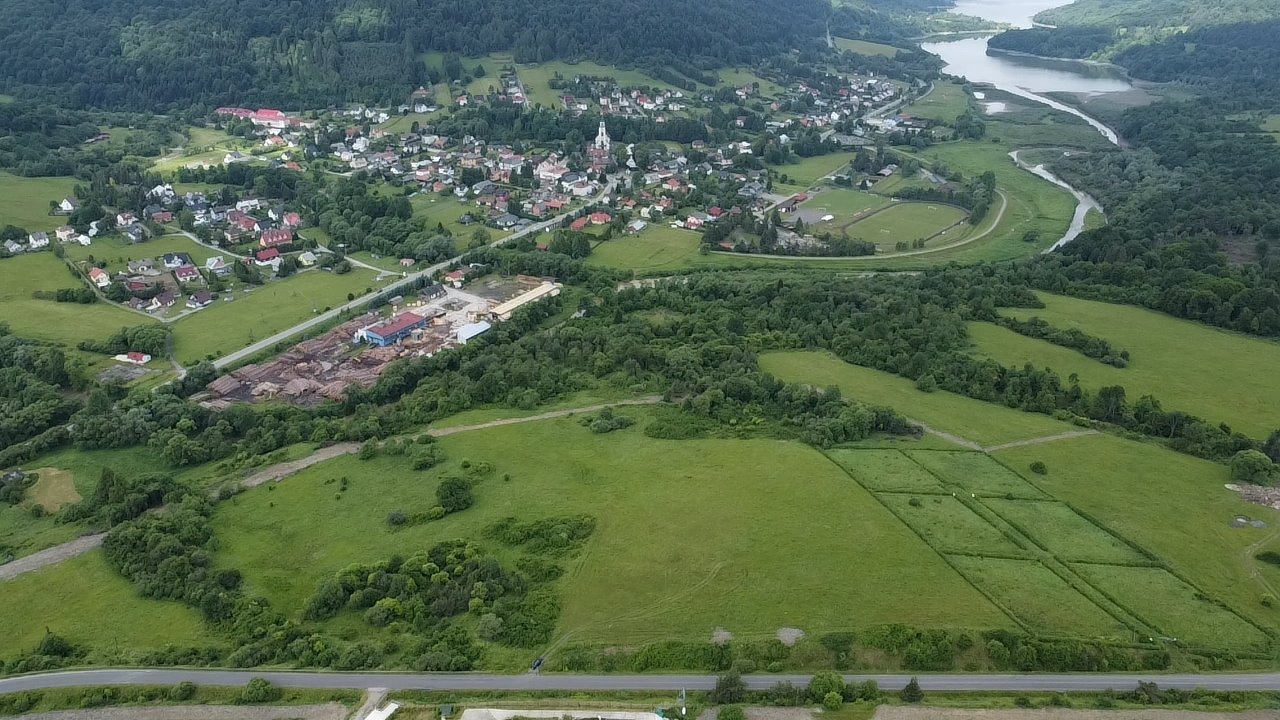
(161, 54)
(1160, 13)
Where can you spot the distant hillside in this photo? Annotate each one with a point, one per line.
(1108, 29)
(1160, 13)
(162, 54)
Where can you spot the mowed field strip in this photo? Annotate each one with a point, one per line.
(1108, 513)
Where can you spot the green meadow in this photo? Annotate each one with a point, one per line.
(1215, 374)
(227, 326)
(63, 323)
(656, 248)
(24, 201)
(863, 47)
(971, 419)
(678, 550)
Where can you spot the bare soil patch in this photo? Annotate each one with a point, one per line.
(790, 636)
(53, 489)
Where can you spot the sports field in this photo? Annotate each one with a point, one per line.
(268, 309)
(657, 247)
(908, 222)
(846, 207)
(24, 201)
(1218, 375)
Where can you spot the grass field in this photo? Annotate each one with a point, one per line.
(972, 419)
(536, 77)
(1039, 598)
(907, 222)
(806, 172)
(404, 123)
(862, 47)
(657, 247)
(951, 527)
(64, 323)
(975, 472)
(1272, 125)
(25, 201)
(1061, 531)
(1173, 606)
(117, 252)
(656, 567)
(223, 327)
(437, 210)
(947, 101)
(1218, 375)
(742, 77)
(886, 470)
(1172, 505)
(846, 205)
(85, 601)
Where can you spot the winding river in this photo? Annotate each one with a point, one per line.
(1029, 77)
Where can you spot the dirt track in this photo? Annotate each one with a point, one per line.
(82, 545)
(50, 556)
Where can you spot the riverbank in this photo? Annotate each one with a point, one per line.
(1084, 202)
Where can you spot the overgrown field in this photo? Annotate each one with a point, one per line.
(1215, 374)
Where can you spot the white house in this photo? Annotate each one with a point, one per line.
(38, 240)
(99, 277)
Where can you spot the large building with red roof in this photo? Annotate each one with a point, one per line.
(394, 330)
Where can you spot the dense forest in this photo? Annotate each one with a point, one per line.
(171, 55)
(1067, 42)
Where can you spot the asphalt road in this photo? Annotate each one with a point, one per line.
(662, 683)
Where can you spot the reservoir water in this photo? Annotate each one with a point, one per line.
(1025, 76)
(1028, 77)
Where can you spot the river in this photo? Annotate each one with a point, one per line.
(1025, 76)
(1029, 77)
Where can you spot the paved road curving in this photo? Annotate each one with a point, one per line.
(664, 683)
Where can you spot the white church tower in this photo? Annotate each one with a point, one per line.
(602, 138)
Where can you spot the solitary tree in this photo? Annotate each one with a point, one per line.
(729, 689)
(912, 692)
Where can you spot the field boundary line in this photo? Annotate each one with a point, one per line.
(1017, 621)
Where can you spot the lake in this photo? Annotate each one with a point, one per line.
(1021, 75)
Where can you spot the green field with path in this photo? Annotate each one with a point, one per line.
(678, 550)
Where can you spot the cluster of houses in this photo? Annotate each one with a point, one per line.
(40, 240)
(612, 99)
(154, 286)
